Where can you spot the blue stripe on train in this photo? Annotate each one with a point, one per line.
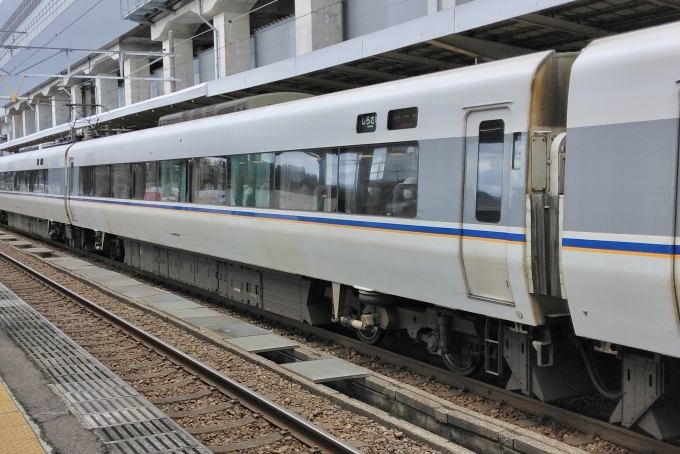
(621, 246)
(408, 228)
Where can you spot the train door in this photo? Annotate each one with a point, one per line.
(69, 175)
(488, 146)
(676, 238)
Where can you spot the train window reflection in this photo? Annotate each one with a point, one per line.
(85, 181)
(55, 181)
(102, 181)
(122, 181)
(36, 181)
(145, 184)
(209, 181)
(251, 180)
(21, 181)
(173, 180)
(490, 171)
(305, 180)
(379, 180)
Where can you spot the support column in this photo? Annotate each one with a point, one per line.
(234, 42)
(43, 109)
(181, 66)
(77, 100)
(60, 111)
(28, 121)
(17, 126)
(106, 94)
(136, 90)
(318, 24)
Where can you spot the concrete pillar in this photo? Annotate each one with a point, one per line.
(60, 111)
(28, 121)
(318, 24)
(106, 94)
(77, 100)
(183, 65)
(43, 109)
(136, 90)
(17, 126)
(234, 42)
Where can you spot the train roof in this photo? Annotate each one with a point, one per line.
(443, 99)
(626, 78)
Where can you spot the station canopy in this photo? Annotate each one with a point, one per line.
(565, 28)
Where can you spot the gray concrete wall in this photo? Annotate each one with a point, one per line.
(363, 17)
(206, 65)
(275, 42)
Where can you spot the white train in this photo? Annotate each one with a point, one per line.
(447, 205)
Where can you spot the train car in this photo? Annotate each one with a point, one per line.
(447, 206)
(620, 236)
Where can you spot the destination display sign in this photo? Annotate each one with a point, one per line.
(367, 122)
(402, 118)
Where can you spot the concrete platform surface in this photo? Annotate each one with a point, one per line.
(61, 429)
(20, 243)
(325, 370)
(263, 343)
(38, 250)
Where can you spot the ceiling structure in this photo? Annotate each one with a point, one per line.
(566, 28)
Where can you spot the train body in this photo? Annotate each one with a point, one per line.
(448, 205)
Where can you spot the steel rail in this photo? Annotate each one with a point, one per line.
(299, 428)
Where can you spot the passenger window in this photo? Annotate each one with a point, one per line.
(55, 181)
(40, 181)
(85, 181)
(145, 176)
(251, 180)
(305, 180)
(102, 181)
(122, 181)
(209, 181)
(379, 180)
(490, 171)
(20, 182)
(31, 180)
(173, 180)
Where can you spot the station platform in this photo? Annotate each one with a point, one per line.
(16, 434)
(74, 403)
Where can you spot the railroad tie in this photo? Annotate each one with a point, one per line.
(229, 425)
(75, 329)
(200, 411)
(162, 373)
(126, 357)
(181, 398)
(116, 340)
(173, 384)
(137, 365)
(247, 444)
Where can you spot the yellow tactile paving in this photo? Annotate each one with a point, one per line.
(7, 406)
(16, 436)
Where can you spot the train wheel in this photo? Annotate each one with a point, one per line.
(371, 337)
(462, 357)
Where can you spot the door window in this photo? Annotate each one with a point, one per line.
(490, 171)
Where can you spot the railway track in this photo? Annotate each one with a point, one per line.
(588, 425)
(187, 390)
